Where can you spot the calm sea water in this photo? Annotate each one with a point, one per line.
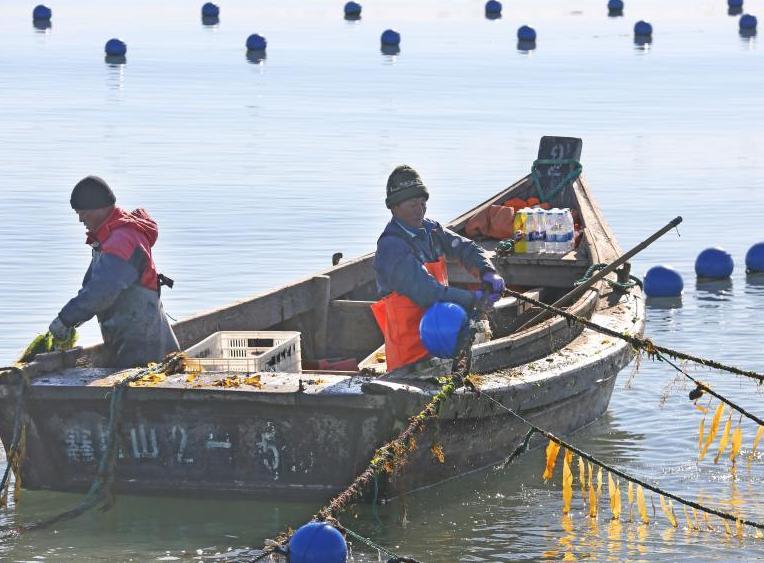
(257, 173)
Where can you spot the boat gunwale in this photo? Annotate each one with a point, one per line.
(597, 246)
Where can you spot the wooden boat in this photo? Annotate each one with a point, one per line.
(311, 432)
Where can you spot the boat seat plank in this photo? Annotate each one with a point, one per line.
(352, 328)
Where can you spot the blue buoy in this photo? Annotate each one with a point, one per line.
(390, 37)
(663, 281)
(735, 3)
(493, 8)
(748, 22)
(256, 42)
(643, 29)
(317, 542)
(42, 12)
(754, 258)
(440, 328)
(714, 263)
(210, 10)
(352, 9)
(115, 48)
(526, 33)
(615, 5)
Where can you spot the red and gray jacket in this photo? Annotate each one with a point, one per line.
(121, 288)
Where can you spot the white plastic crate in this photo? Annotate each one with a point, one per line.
(249, 351)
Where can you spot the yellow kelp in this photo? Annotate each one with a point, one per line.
(641, 506)
(737, 442)
(668, 510)
(759, 434)
(552, 449)
(724, 440)
(567, 485)
(437, 452)
(148, 380)
(599, 483)
(614, 492)
(592, 502)
(712, 431)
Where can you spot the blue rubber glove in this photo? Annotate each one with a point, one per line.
(496, 283)
(487, 299)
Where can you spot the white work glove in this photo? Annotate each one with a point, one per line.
(59, 330)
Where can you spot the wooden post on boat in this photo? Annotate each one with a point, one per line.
(581, 289)
(322, 295)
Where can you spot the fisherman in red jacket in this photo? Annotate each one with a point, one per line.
(121, 287)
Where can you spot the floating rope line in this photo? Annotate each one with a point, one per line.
(625, 476)
(705, 388)
(637, 342)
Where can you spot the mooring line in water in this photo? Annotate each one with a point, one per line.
(625, 476)
(637, 342)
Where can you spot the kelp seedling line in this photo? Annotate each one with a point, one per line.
(706, 389)
(386, 458)
(623, 475)
(658, 353)
(638, 343)
(392, 454)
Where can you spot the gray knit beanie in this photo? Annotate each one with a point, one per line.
(404, 183)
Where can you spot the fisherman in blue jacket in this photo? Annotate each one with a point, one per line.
(410, 266)
(121, 286)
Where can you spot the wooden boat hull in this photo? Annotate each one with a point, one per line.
(312, 433)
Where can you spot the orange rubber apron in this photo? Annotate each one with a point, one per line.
(398, 317)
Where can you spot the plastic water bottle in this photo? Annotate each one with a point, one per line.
(521, 231)
(541, 229)
(532, 229)
(568, 231)
(553, 231)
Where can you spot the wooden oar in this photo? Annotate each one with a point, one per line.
(581, 289)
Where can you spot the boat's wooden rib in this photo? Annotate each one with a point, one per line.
(311, 432)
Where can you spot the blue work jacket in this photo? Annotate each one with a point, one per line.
(403, 251)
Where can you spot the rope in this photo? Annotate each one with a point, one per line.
(638, 343)
(101, 488)
(522, 448)
(611, 469)
(17, 448)
(703, 387)
(394, 452)
(505, 247)
(575, 172)
(634, 281)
